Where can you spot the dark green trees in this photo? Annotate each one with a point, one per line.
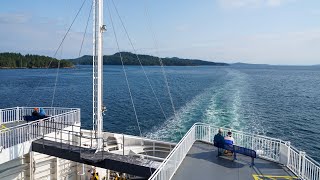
(147, 60)
(16, 60)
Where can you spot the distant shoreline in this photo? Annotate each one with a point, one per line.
(36, 67)
(128, 59)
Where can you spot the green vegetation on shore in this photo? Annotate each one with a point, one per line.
(16, 60)
(147, 60)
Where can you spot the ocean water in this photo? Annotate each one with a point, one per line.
(278, 101)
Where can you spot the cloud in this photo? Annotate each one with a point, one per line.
(251, 3)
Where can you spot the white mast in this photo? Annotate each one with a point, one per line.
(98, 107)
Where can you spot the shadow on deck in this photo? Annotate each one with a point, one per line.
(201, 163)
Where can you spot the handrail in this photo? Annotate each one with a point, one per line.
(15, 114)
(298, 162)
(28, 131)
(168, 158)
(40, 120)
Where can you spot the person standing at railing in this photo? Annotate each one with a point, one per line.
(218, 141)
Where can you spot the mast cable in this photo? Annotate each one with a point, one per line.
(56, 80)
(138, 58)
(54, 56)
(60, 46)
(85, 31)
(155, 43)
(126, 77)
(124, 70)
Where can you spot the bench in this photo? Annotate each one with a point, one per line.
(240, 150)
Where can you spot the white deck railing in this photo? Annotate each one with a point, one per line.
(170, 165)
(10, 115)
(33, 130)
(267, 148)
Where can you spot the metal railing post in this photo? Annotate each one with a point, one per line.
(22, 112)
(80, 142)
(122, 144)
(61, 137)
(153, 148)
(1, 120)
(72, 132)
(209, 134)
(91, 139)
(17, 114)
(289, 152)
(69, 140)
(300, 163)
(303, 163)
(42, 139)
(55, 131)
(102, 147)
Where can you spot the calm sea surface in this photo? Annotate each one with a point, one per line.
(281, 102)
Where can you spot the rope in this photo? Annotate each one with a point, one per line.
(85, 32)
(74, 19)
(124, 70)
(56, 53)
(55, 84)
(125, 73)
(60, 46)
(155, 42)
(137, 56)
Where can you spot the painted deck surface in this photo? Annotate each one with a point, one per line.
(201, 163)
(13, 124)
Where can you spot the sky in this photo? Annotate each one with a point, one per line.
(280, 32)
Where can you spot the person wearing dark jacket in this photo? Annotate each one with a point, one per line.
(35, 112)
(218, 142)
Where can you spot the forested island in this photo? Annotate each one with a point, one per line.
(17, 60)
(146, 60)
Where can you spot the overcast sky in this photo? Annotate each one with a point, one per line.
(252, 31)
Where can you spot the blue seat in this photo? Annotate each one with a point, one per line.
(241, 150)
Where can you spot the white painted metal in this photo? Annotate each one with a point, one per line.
(300, 164)
(98, 71)
(169, 166)
(29, 131)
(10, 115)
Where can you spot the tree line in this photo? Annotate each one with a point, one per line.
(17, 60)
(147, 60)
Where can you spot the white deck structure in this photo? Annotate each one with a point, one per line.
(17, 161)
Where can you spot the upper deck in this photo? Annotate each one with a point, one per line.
(194, 157)
(202, 162)
(16, 134)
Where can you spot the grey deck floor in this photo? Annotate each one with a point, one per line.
(15, 123)
(201, 163)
